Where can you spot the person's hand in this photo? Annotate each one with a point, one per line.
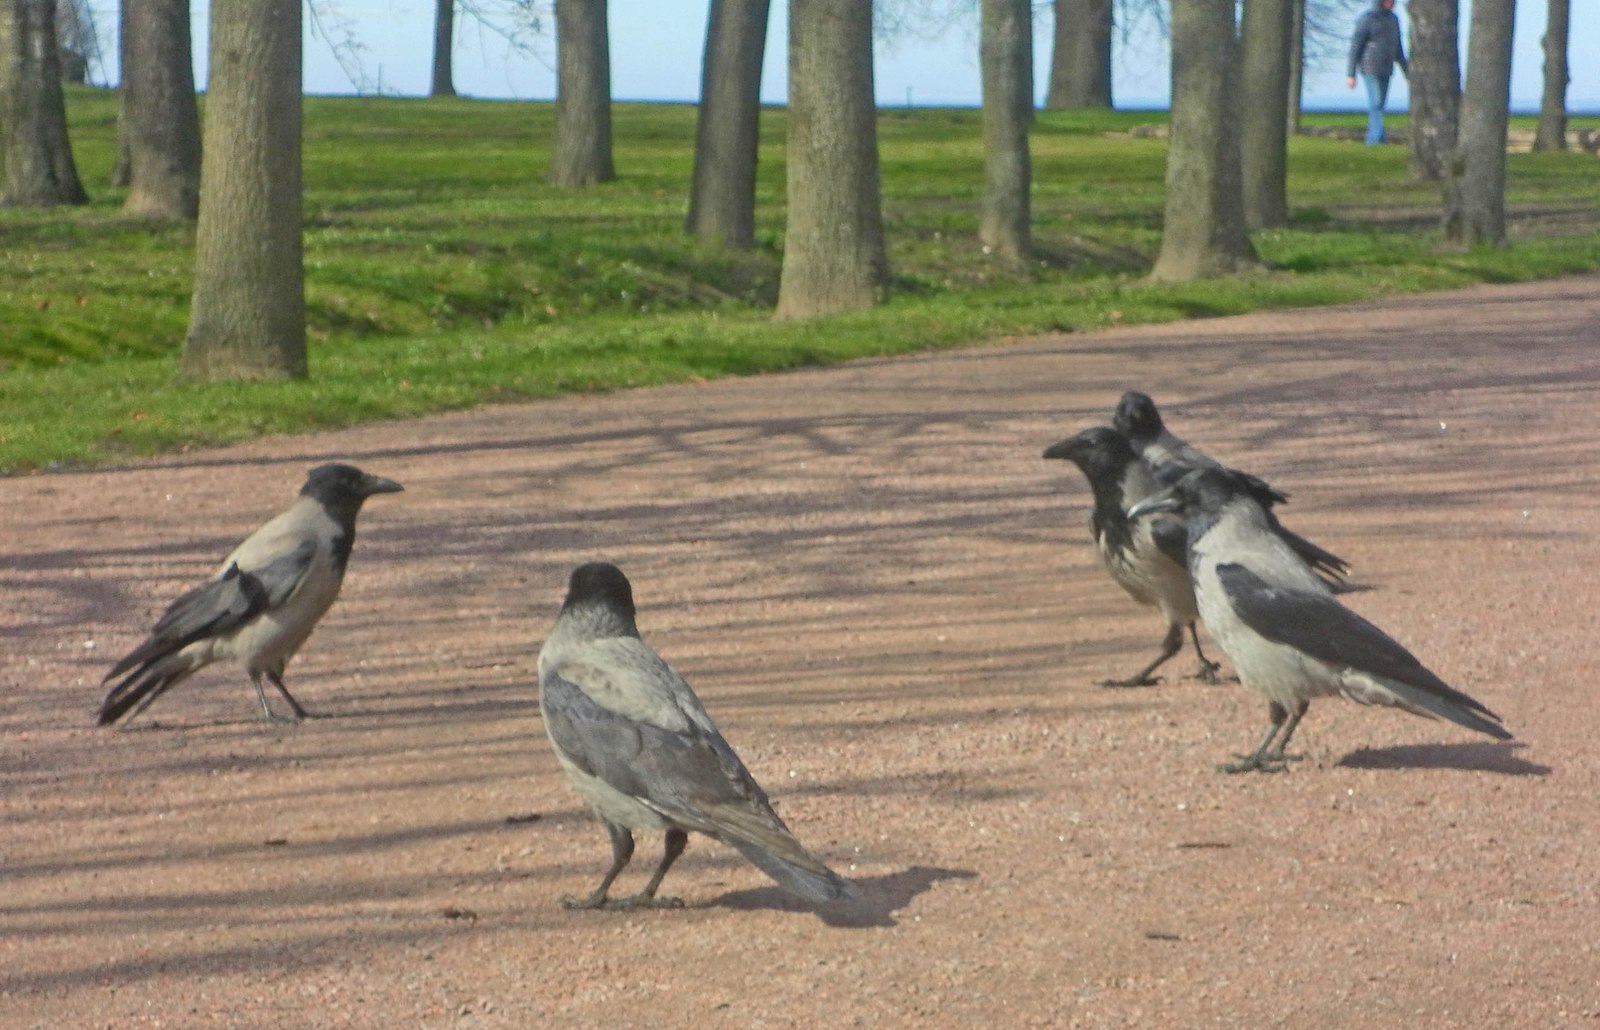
(1352, 82)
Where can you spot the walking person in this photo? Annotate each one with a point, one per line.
(1375, 49)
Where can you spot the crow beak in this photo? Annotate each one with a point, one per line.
(1166, 501)
(1062, 449)
(378, 485)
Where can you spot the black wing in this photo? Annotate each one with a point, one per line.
(221, 605)
(1325, 629)
(680, 773)
(1172, 540)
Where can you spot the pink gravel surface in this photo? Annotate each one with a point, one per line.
(891, 605)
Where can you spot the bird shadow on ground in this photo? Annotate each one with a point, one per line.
(881, 897)
(1476, 756)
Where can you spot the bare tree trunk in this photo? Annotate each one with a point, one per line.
(1552, 134)
(1435, 79)
(833, 256)
(1204, 230)
(1475, 195)
(444, 49)
(39, 170)
(248, 320)
(162, 122)
(1264, 121)
(722, 197)
(1007, 51)
(1297, 64)
(122, 170)
(1080, 67)
(581, 152)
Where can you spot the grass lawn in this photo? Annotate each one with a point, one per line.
(441, 271)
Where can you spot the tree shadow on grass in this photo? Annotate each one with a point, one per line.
(881, 897)
(1475, 756)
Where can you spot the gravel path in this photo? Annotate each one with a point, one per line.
(891, 606)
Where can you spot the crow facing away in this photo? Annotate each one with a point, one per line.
(263, 603)
(640, 748)
(1147, 557)
(1285, 633)
(1170, 458)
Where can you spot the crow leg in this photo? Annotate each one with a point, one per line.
(276, 678)
(266, 710)
(1171, 645)
(1277, 753)
(1262, 758)
(677, 840)
(1207, 673)
(621, 852)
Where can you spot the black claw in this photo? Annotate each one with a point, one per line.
(1254, 763)
(629, 904)
(1145, 681)
(1207, 673)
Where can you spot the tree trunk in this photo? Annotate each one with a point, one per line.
(161, 119)
(1435, 79)
(1203, 232)
(247, 320)
(1080, 67)
(722, 198)
(1264, 121)
(1297, 63)
(1007, 51)
(1552, 134)
(444, 48)
(581, 152)
(39, 170)
(122, 170)
(1475, 197)
(833, 256)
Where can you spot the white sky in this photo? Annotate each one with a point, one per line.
(656, 47)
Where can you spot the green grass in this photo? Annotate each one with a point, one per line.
(442, 272)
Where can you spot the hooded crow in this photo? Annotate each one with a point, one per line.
(1170, 458)
(642, 751)
(263, 603)
(1280, 624)
(1147, 557)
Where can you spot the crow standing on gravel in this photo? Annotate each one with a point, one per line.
(644, 754)
(1170, 458)
(1280, 625)
(1147, 557)
(261, 606)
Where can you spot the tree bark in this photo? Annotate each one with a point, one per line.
(833, 258)
(1552, 134)
(160, 117)
(722, 197)
(1264, 121)
(581, 152)
(1080, 66)
(247, 320)
(39, 170)
(1203, 232)
(444, 49)
(1475, 196)
(1007, 53)
(1297, 63)
(1435, 80)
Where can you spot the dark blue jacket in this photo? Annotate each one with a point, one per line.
(1375, 47)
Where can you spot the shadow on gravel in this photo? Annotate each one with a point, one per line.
(1474, 757)
(881, 898)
